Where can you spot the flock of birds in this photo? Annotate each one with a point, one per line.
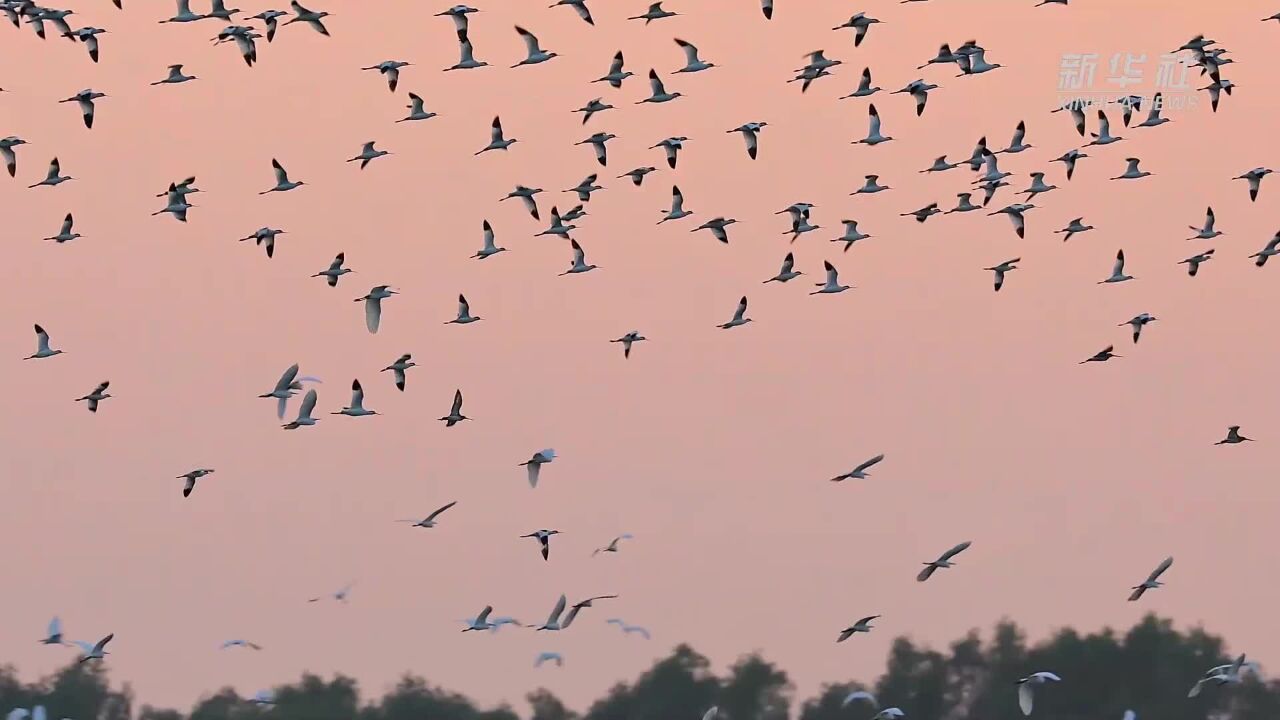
(969, 59)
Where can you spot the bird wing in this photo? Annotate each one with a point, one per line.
(42, 339)
(67, 222)
(496, 132)
(1160, 570)
(484, 614)
(357, 394)
(308, 404)
(433, 515)
(1019, 134)
(742, 309)
(926, 573)
(530, 41)
(559, 608)
(832, 273)
(655, 83)
(1025, 697)
(457, 403)
(711, 713)
(690, 51)
(55, 627)
(579, 256)
(282, 176)
(615, 67)
(677, 199)
(532, 469)
(955, 550)
(859, 695)
(103, 643)
(287, 378)
(875, 121)
(869, 463)
(464, 308)
(372, 313)
(788, 263)
(1118, 268)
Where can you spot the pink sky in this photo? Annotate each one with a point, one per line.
(713, 448)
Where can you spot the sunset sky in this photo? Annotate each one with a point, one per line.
(712, 447)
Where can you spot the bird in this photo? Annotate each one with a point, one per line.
(89, 36)
(42, 346)
(98, 395)
(1102, 355)
(1267, 251)
(859, 695)
(963, 204)
(859, 472)
(940, 164)
(496, 139)
(1016, 213)
(1016, 145)
(1076, 109)
(1026, 688)
(489, 247)
(862, 626)
(612, 547)
(1207, 231)
(455, 415)
(95, 651)
(175, 76)
(750, 131)
(1233, 437)
(832, 284)
(241, 643)
(7, 144)
(467, 59)
(368, 154)
(657, 91)
(1117, 271)
(417, 110)
(1038, 186)
(787, 272)
(1075, 226)
(919, 90)
(1104, 136)
(580, 7)
(717, 226)
(851, 234)
(1254, 177)
(864, 86)
(526, 196)
(944, 561)
(1069, 159)
(923, 213)
(356, 408)
(692, 63)
(283, 183)
(219, 11)
(430, 520)
(766, 7)
(860, 22)
(265, 236)
(553, 620)
(184, 13)
(373, 305)
(464, 313)
(596, 105)
(65, 234)
(677, 210)
(391, 69)
(1153, 113)
(335, 270)
(1137, 323)
(579, 264)
(629, 629)
(655, 12)
(739, 316)
(1152, 580)
(975, 62)
(533, 465)
(535, 53)
(548, 657)
(586, 187)
(398, 368)
(304, 412)
(871, 186)
(1215, 90)
(637, 175)
(598, 141)
(544, 539)
(54, 176)
(312, 18)
(873, 134)
(616, 74)
(481, 621)
(1193, 262)
(1131, 171)
(459, 15)
(340, 595)
(671, 146)
(628, 340)
(269, 18)
(53, 635)
(1001, 269)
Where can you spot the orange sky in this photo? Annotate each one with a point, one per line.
(713, 448)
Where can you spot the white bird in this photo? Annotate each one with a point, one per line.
(711, 713)
(739, 316)
(1233, 437)
(717, 226)
(98, 395)
(283, 183)
(467, 59)
(544, 539)
(1069, 159)
(859, 695)
(616, 74)
(1254, 177)
(628, 340)
(1153, 114)
(975, 62)
(677, 210)
(7, 144)
(864, 86)
(184, 13)
(241, 643)
(657, 91)
(1001, 269)
(1104, 136)
(533, 465)
(940, 165)
(612, 547)
(580, 7)
(655, 12)
(963, 204)
(1117, 271)
(787, 272)
(859, 472)
(873, 134)
(42, 346)
(304, 412)
(455, 415)
(391, 69)
(637, 175)
(1075, 226)
(1224, 674)
(398, 368)
(944, 561)
(862, 626)
(629, 629)
(889, 713)
(335, 270)
(269, 18)
(1017, 145)
(430, 520)
(860, 22)
(481, 621)
(579, 264)
(497, 141)
(95, 651)
(1193, 262)
(1152, 582)
(598, 142)
(871, 186)
(489, 247)
(832, 285)
(692, 63)
(356, 408)
(464, 313)
(175, 76)
(671, 146)
(553, 620)
(548, 656)
(265, 236)
(923, 213)
(535, 53)
(750, 132)
(1206, 232)
(1016, 213)
(417, 110)
(526, 196)
(1026, 688)
(1137, 323)
(1038, 186)
(851, 234)
(312, 18)
(919, 90)
(596, 105)
(1267, 251)
(65, 234)
(1076, 109)
(53, 177)
(373, 305)
(191, 477)
(53, 635)
(1131, 171)
(368, 154)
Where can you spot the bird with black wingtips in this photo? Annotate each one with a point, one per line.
(544, 539)
(1152, 581)
(335, 270)
(98, 395)
(430, 520)
(191, 478)
(455, 415)
(1001, 270)
(399, 367)
(943, 561)
(862, 626)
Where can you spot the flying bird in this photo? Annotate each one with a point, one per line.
(304, 412)
(739, 316)
(1117, 271)
(283, 183)
(373, 305)
(1233, 437)
(1137, 322)
(944, 561)
(1026, 688)
(98, 395)
(628, 340)
(497, 141)
(1102, 355)
(544, 539)
(455, 415)
(464, 313)
(612, 547)
(1001, 269)
(398, 368)
(356, 408)
(335, 270)
(1152, 582)
(832, 284)
(862, 626)
(430, 520)
(534, 464)
(42, 346)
